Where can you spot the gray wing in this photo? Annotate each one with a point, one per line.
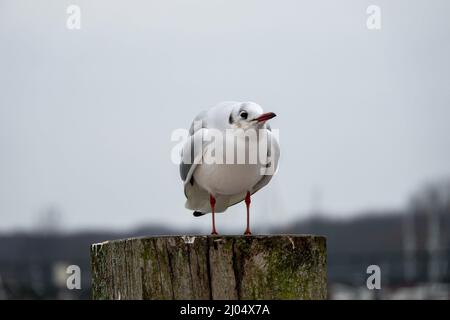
(191, 155)
(273, 153)
(188, 156)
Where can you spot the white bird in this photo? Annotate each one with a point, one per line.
(213, 186)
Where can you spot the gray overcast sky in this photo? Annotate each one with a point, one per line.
(86, 116)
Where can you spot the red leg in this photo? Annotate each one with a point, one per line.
(212, 201)
(247, 203)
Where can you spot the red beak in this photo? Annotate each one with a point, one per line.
(266, 116)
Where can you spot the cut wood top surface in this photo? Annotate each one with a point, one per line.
(191, 237)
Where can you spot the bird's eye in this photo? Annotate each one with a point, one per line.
(243, 115)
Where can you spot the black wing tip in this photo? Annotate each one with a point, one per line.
(198, 213)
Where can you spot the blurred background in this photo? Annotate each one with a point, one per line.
(86, 117)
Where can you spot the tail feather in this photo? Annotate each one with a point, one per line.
(198, 213)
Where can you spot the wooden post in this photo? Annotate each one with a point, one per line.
(210, 267)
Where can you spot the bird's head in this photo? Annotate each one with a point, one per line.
(249, 115)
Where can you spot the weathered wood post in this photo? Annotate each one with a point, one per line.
(206, 267)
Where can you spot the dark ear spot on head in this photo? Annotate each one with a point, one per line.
(230, 119)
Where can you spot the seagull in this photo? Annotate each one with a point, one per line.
(213, 186)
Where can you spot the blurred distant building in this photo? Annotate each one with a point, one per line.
(409, 247)
(3, 295)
